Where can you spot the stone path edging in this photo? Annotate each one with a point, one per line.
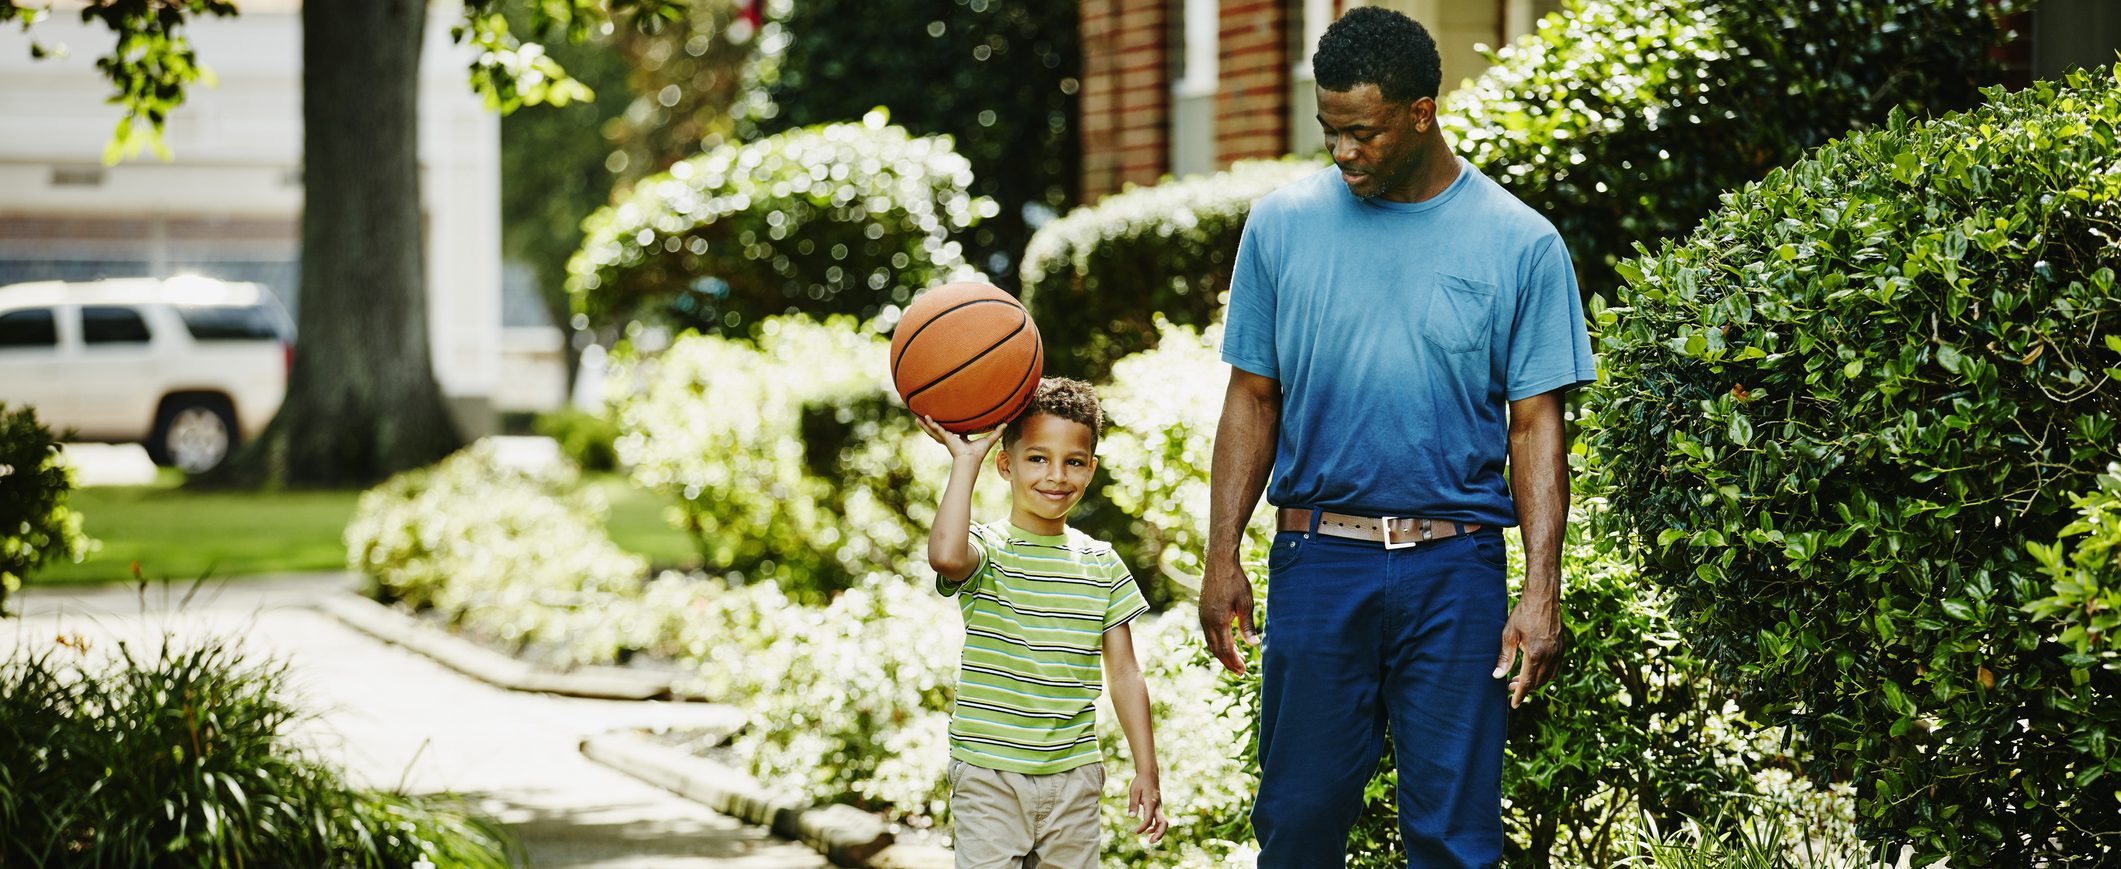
(845, 835)
(487, 665)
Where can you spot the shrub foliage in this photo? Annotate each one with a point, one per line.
(35, 525)
(788, 457)
(996, 76)
(1834, 417)
(518, 558)
(1623, 122)
(1097, 279)
(844, 218)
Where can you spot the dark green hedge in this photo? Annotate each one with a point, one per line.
(1834, 417)
(1622, 122)
(1096, 279)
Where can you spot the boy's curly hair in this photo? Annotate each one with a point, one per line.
(1375, 45)
(1067, 398)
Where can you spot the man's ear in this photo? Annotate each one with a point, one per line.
(1423, 114)
(1001, 462)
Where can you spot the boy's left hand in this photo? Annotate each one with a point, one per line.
(1144, 801)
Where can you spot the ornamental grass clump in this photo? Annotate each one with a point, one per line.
(1833, 419)
(181, 757)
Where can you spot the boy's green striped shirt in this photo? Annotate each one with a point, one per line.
(1036, 611)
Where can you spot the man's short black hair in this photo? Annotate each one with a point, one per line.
(1373, 45)
(1072, 400)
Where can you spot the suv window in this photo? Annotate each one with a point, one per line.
(112, 325)
(31, 328)
(229, 323)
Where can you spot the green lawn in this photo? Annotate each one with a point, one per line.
(178, 534)
(638, 526)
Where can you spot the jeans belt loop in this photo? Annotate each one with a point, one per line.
(1315, 514)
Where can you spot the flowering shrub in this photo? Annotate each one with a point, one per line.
(835, 219)
(789, 456)
(1200, 738)
(852, 700)
(514, 556)
(1164, 404)
(998, 78)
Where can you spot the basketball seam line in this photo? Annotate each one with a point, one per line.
(975, 358)
(1038, 360)
(901, 355)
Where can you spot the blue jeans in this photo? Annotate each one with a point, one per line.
(1358, 638)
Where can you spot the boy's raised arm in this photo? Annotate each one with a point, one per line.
(950, 541)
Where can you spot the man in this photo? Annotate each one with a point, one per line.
(1399, 328)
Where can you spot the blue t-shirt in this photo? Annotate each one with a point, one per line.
(1399, 332)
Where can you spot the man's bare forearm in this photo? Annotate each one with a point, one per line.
(1539, 483)
(1244, 455)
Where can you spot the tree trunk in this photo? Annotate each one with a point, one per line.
(362, 401)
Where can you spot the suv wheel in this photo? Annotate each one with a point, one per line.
(193, 434)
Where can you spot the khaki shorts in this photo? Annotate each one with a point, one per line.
(1009, 820)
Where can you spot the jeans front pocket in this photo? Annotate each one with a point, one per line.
(1287, 550)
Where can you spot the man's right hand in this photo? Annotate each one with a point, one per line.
(1226, 598)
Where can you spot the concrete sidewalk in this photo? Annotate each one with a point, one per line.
(389, 717)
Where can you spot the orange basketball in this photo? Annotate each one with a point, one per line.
(967, 355)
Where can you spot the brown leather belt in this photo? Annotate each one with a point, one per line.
(1395, 532)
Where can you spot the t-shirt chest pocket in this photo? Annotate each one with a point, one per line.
(1459, 314)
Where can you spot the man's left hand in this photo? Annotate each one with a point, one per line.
(1534, 629)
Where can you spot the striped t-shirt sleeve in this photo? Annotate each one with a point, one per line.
(1124, 598)
(983, 547)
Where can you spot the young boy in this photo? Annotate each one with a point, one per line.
(1043, 605)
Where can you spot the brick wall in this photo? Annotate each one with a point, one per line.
(1252, 97)
(1126, 94)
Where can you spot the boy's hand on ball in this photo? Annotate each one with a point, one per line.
(960, 446)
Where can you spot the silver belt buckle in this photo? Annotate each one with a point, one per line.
(1385, 526)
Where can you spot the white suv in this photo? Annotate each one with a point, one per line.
(187, 366)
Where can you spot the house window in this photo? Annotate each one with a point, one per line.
(1193, 89)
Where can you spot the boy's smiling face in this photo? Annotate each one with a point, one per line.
(1048, 469)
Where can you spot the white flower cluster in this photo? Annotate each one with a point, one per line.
(807, 214)
(515, 556)
(1164, 405)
